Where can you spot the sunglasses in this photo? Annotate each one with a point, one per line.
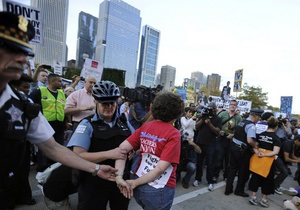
(108, 103)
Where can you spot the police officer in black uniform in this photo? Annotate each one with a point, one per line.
(97, 139)
(240, 153)
(20, 120)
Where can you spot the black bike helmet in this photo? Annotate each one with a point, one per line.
(106, 91)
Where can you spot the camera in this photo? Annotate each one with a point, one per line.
(184, 137)
(207, 112)
(281, 121)
(142, 94)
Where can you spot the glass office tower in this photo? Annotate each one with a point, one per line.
(86, 38)
(148, 56)
(118, 38)
(55, 19)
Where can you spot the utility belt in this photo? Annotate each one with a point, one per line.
(239, 144)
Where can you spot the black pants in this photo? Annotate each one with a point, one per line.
(222, 153)
(239, 163)
(94, 193)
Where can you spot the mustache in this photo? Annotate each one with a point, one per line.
(15, 66)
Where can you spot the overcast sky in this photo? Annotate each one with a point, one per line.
(221, 36)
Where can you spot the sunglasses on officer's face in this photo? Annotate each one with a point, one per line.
(108, 103)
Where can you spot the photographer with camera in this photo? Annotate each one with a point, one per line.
(230, 119)
(188, 147)
(208, 127)
(284, 131)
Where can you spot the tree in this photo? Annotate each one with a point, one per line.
(254, 94)
(191, 87)
(215, 92)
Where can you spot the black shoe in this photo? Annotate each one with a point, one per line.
(243, 194)
(228, 192)
(185, 184)
(289, 171)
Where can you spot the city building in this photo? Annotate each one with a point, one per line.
(167, 77)
(148, 56)
(86, 38)
(199, 79)
(118, 37)
(55, 18)
(213, 81)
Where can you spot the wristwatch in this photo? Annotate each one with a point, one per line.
(97, 168)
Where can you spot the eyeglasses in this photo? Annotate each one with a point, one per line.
(232, 104)
(108, 103)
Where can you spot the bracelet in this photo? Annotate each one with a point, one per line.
(120, 175)
(97, 168)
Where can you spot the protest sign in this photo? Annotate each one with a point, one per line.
(34, 15)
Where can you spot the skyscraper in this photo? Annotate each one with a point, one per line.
(86, 37)
(213, 81)
(118, 38)
(148, 56)
(55, 18)
(200, 79)
(167, 77)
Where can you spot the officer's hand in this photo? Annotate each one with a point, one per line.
(107, 172)
(117, 153)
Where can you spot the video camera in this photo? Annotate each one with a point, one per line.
(142, 94)
(206, 112)
(281, 121)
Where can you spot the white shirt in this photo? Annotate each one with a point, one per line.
(39, 130)
(188, 125)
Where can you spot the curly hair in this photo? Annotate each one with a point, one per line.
(167, 106)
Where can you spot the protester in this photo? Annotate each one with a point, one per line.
(230, 119)
(21, 121)
(262, 163)
(159, 143)
(96, 139)
(81, 103)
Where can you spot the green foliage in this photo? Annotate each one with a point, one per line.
(114, 75)
(215, 92)
(71, 72)
(191, 87)
(254, 94)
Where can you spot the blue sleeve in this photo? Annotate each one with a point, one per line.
(251, 131)
(82, 135)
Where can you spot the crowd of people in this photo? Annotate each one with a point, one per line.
(109, 149)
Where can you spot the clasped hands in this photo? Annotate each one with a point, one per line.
(126, 187)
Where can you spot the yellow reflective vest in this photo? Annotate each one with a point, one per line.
(53, 108)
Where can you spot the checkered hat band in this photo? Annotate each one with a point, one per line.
(14, 35)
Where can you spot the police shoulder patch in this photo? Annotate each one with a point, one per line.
(80, 129)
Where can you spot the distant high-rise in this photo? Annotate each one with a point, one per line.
(118, 38)
(213, 81)
(86, 38)
(55, 18)
(167, 77)
(200, 79)
(148, 56)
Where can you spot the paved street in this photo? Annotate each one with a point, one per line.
(191, 198)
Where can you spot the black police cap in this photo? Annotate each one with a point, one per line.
(256, 112)
(16, 31)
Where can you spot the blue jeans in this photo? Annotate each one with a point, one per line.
(150, 198)
(190, 170)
